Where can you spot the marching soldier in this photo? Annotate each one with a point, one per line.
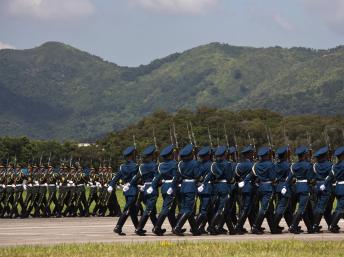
(93, 196)
(80, 196)
(52, 181)
(126, 173)
(188, 173)
(246, 189)
(303, 173)
(321, 168)
(167, 174)
(283, 191)
(147, 171)
(206, 194)
(264, 171)
(2, 189)
(337, 175)
(222, 177)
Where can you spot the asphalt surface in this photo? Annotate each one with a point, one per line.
(46, 231)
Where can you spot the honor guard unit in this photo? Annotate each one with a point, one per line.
(216, 190)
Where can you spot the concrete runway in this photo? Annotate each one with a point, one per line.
(46, 231)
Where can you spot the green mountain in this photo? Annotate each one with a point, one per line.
(57, 91)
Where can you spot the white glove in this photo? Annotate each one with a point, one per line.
(322, 187)
(36, 182)
(200, 188)
(57, 186)
(241, 184)
(141, 188)
(283, 191)
(126, 187)
(46, 184)
(3, 186)
(150, 190)
(109, 189)
(24, 187)
(170, 191)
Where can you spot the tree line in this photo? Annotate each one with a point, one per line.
(259, 127)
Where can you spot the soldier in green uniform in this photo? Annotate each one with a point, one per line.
(2, 189)
(53, 178)
(93, 196)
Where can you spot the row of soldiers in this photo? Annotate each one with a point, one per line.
(42, 191)
(260, 185)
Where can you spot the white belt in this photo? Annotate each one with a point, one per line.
(188, 180)
(35, 185)
(147, 183)
(266, 182)
(302, 181)
(340, 183)
(222, 181)
(79, 185)
(52, 185)
(167, 181)
(19, 185)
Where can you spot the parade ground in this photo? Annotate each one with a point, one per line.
(52, 231)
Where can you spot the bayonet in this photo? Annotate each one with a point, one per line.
(211, 141)
(193, 135)
(175, 135)
(189, 135)
(154, 139)
(226, 136)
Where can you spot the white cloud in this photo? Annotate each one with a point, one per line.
(6, 46)
(282, 22)
(331, 11)
(50, 9)
(177, 6)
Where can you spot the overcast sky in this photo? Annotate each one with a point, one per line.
(133, 32)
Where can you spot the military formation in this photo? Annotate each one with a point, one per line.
(44, 191)
(217, 190)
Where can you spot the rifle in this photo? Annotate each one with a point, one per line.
(286, 141)
(268, 137)
(171, 137)
(309, 140)
(135, 146)
(211, 141)
(176, 150)
(193, 135)
(189, 135)
(154, 139)
(195, 150)
(218, 137)
(156, 145)
(236, 147)
(49, 159)
(40, 159)
(328, 142)
(226, 136)
(253, 144)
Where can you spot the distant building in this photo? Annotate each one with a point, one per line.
(84, 144)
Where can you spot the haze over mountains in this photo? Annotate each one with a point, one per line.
(57, 91)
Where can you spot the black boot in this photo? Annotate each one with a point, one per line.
(308, 223)
(194, 228)
(294, 226)
(275, 229)
(317, 219)
(256, 229)
(139, 230)
(153, 218)
(180, 223)
(214, 224)
(334, 224)
(229, 224)
(239, 228)
(120, 223)
(157, 228)
(200, 223)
